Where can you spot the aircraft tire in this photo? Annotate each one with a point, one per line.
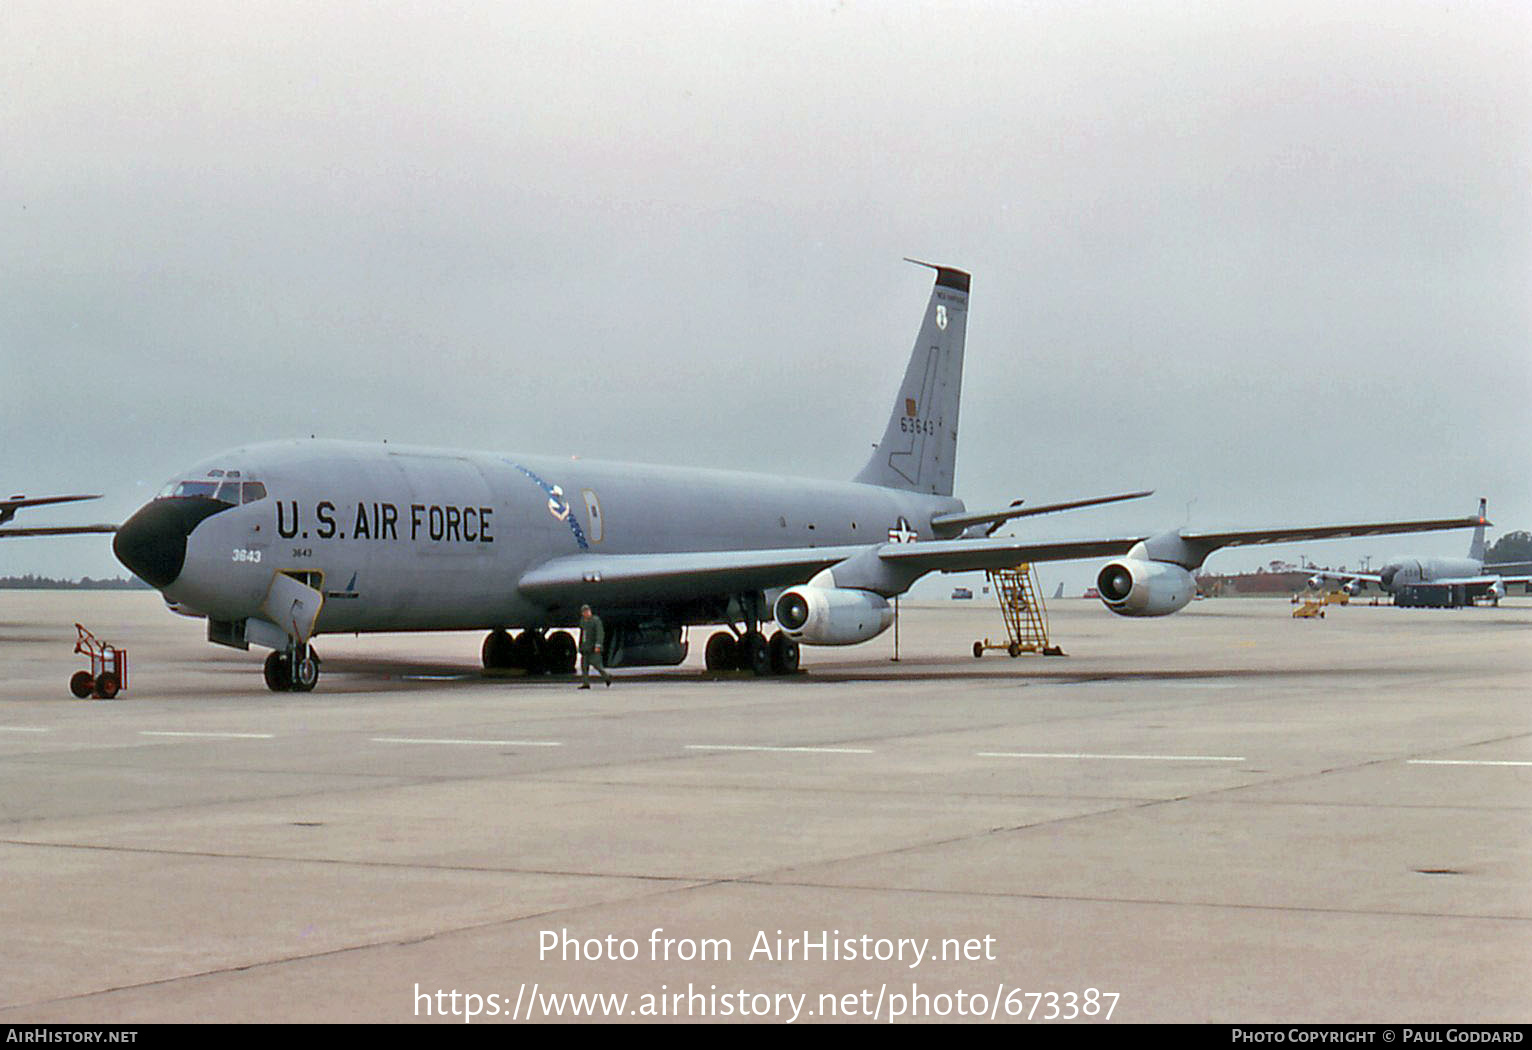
(560, 653)
(308, 672)
(721, 653)
(106, 686)
(529, 653)
(784, 654)
(278, 678)
(978, 650)
(755, 654)
(82, 684)
(497, 653)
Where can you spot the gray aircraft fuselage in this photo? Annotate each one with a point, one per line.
(430, 539)
(1402, 571)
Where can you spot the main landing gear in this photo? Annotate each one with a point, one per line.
(292, 670)
(752, 652)
(530, 651)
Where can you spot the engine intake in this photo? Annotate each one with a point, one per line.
(832, 615)
(1134, 587)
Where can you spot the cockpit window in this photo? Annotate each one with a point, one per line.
(226, 486)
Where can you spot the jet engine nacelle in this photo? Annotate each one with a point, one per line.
(832, 615)
(1133, 587)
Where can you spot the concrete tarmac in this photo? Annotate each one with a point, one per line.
(1224, 815)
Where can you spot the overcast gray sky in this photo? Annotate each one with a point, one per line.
(1272, 260)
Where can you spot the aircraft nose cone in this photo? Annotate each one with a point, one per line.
(152, 543)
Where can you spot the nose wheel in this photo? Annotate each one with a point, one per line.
(292, 670)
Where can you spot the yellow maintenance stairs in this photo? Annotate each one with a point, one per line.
(1021, 606)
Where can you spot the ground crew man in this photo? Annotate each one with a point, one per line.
(592, 643)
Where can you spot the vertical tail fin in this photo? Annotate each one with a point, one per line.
(1476, 548)
(919, 447)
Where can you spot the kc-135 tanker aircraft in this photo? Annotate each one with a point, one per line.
(1416, 580)
(277, 543)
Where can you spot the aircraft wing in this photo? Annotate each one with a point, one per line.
(9, 507)
(1476, 581)
(38, 501)
(617, 578)
(1193, 547)
(1301, 534)
(57, 530)
(1331, 574)
(967, 555)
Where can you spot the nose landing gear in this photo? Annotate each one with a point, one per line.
(291, 608)
(294, 670)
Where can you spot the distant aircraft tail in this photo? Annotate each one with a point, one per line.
(919, 447)
(1476, 549)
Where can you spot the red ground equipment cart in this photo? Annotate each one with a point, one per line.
(108, 674)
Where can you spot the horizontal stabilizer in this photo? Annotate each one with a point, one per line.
(962, 520)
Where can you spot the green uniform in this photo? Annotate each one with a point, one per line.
(592, 646)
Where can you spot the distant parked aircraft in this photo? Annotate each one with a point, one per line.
(1433, 581)
(8, 508)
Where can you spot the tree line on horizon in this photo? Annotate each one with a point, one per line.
(84, 583)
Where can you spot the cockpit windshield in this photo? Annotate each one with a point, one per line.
(191, 488)
(225, 487)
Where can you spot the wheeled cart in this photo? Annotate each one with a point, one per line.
(108, 674)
